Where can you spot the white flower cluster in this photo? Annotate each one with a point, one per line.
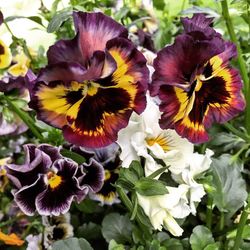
(143, 137)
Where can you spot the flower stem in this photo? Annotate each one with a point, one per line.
(242, 223)
(241, 62)
(24, 117)
(126, 201)
(237, 132)
(209, 212)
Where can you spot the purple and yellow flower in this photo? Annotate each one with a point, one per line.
(48, 183)
(92, 83)
(195, 82)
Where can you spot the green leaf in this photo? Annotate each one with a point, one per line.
(116, 227)
(159, 4)
(72, 243)
(230, 188)
(87, 206)
(213, 246)
(150, 187)
(172, 244)
(201, 238)
(72, 155)
(114, 246)
(35, 19)
(89, 231)
(57, 20)
(136, 167)
(121, 13)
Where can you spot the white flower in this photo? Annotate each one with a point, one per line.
(33, 33)
(144, 137)
(34, 242)
(162, 209)
(197, 165)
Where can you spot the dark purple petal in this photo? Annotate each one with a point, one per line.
(51, 151)
(199, 23)
(94, 30)
(94, 176)
(26, 196)
(36, 163)
(65, 51)
(65, 72)
(1, 17)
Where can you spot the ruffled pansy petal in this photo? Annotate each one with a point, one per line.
(199, 23)
(65, 51)
(94, 30)
(26, 196)
(94, 175)
(63, 71)
(36, 162)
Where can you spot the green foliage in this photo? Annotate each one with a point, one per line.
(116, 227)
(58, 19)
(230, 188)
(72, 243)
(149, 187)
(201, 238)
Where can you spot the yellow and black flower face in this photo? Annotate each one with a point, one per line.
(195, 82)
(90, 91)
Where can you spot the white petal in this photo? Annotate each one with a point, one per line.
(172, 226)
(128, 153)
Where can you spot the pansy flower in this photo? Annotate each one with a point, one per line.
(92, 83)
(48, 183)
(195, 82)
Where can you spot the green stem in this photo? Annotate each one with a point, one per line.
(236, 132)
(222, 221)
(24, 117)
(126, 201)
(242, 223)
(209, 211)
(158, 172)
(241, 62)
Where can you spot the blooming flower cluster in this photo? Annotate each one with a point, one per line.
(130, 118)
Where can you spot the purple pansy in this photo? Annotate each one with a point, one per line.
(48, 182)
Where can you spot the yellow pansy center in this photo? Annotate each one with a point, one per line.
(107, 174)
(54, 180)
(160, 140)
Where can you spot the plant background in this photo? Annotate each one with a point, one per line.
(227, 182)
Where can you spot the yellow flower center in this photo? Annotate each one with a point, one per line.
(54, 180)
(160, 140)
(107, 175)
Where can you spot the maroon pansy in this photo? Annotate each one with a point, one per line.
(92, 83)
(195, 82)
